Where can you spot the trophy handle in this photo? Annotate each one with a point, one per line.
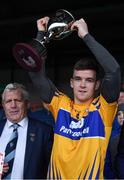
(59, 26)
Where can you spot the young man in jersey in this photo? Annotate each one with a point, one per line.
(82, 125)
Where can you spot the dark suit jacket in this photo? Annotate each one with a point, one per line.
(38, 149)
(119, 161)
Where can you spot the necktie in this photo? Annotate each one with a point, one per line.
(10, 151)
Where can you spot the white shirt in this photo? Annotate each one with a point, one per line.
(18, 165)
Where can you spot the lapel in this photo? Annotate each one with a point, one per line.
(31, 138)
(2, 124)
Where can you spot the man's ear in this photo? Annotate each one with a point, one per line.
(71, 82)
(97, 84)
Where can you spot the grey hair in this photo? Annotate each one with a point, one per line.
(15, 86)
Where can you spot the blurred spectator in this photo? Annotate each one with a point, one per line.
(41, 113)
(109, 170)
(119, 160)
(121, 97)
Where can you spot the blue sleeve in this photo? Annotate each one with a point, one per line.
(108, 170)
(119, 162)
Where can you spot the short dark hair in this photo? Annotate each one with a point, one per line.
(87, 63)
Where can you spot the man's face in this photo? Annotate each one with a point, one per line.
(84, 85)
(121, 98)
(14, 105)
(121, 117)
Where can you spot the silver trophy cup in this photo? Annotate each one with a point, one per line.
(31, 55)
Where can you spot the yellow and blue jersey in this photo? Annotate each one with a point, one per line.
(80, 144)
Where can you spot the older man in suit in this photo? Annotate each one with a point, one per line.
(35, 138)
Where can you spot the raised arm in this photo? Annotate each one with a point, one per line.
(45, 87)
(111, 83)
(110, 87)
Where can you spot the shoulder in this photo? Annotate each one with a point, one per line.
(39, 124)
(60, 99)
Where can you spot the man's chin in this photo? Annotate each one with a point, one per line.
(14, 120)
(85, 100)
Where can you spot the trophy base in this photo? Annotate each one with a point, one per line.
(30, 56)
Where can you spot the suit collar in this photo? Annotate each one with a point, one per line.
(2, 124)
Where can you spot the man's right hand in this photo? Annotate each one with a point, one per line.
(5, 168)
(42, 23)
